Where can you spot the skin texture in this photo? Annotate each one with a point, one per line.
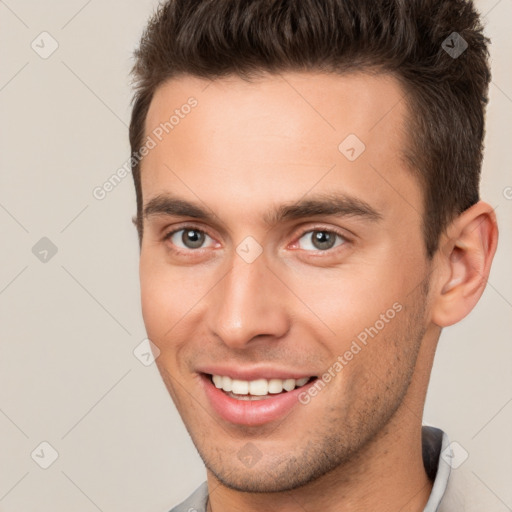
(245, 149)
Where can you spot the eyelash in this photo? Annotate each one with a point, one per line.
(297, 237)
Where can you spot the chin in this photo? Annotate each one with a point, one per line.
(272, 474)
(261, 481)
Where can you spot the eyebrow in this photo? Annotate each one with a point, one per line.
(333, 204)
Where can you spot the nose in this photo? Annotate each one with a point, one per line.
(248, 304)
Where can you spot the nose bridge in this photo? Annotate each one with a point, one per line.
(247, 303)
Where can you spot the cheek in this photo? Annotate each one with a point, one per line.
(366, 313)
(348, 299)
(170, 297)
(159, 297)
(162, 304)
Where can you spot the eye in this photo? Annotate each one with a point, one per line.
(188, 238)
(320, 240)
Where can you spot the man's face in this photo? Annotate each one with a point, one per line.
(273, 283)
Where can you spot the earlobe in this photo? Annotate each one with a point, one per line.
(470, 243)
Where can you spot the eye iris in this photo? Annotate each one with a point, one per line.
(192, 238)
(323, 239)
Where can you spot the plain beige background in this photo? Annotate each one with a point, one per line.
(69, 325)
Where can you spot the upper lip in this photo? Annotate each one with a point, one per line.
(253, 373)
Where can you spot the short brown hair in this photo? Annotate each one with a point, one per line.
(410, 39)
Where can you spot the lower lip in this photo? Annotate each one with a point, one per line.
(251, 412)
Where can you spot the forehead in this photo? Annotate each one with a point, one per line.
(280, 136)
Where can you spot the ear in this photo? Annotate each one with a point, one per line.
(463, 263)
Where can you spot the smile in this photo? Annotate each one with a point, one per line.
(253, 402)
(256, 389)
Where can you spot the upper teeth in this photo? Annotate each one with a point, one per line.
(256, 387)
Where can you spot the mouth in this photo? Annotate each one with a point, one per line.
(254, 402)
(258, 389)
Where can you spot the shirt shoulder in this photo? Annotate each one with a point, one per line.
(196, 502)
(456, 488)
